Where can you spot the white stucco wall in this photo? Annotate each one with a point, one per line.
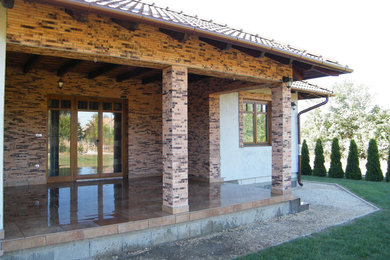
(3, 28)
(240, 162)
(294, 138)
(248, 164)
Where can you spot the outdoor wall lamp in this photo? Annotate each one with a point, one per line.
(60, 83)
(293, 105)
(288, 81)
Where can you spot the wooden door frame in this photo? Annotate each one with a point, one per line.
(73, 138)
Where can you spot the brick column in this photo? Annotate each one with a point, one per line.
(3, 36)
(175, 139)
(281, 140)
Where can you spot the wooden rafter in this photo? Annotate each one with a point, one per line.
(8, 3)
(31, 62)
(283, 60)
(179, 36)
(217, 44)
(131, 74)
(67, 67)
(298, 73)
(102, 70)
(250, 52)
(326, 71)
(131, 26)
(79, 16)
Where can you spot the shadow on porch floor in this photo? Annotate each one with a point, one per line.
(44, 209)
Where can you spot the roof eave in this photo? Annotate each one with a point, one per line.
(188, 28)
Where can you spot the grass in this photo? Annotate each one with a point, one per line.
(364, 238)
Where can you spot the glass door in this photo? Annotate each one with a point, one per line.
(59, 139)
(85, 139)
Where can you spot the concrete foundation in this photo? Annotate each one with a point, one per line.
(108, 245)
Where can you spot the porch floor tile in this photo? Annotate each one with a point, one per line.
(43, 209)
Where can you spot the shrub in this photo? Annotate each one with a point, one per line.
(305, 160)
(374, 172)
(353, 170)
(336, 168)
(388, 168)
(319, 167)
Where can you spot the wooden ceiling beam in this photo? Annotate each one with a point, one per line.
(132, 74)
(223, 46)
(67, 67)
(131, 26)
(31, 62)
(151, 79)
(192, 78)
(179, 36)
(102, 70)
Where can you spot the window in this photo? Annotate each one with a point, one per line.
(255, 128)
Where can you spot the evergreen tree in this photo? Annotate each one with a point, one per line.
(388, 168)
(353, 170)
(374, 172)
(305, 160)
(336, 168)
(319, 167)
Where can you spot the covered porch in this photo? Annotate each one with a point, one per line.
(50, 214)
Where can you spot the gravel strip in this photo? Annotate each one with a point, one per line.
(330, 205)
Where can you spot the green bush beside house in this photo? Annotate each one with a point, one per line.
(319, 160)
(374, 172)
(353, 170)
(305, 160)
(336, 168)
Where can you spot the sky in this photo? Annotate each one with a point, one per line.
(353, 32)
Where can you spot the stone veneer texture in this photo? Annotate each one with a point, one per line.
(26, 115)
(281, 139)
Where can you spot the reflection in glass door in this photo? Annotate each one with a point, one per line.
(87, 143)
(112, 142)
(59, 125)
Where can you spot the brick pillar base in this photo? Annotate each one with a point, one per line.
(281, 140)
(175, 140)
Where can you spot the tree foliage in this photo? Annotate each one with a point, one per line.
(353, 170)
(388, 167)
(349, 115)
(336, 168)
(374, 172)
(319, 160)
(305, 160)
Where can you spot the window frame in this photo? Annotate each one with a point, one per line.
(254, 112)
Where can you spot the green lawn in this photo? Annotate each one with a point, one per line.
(364, 238)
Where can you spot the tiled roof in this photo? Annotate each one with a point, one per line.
(142, 10)
(310, 88)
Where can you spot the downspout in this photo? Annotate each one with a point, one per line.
(299, 134)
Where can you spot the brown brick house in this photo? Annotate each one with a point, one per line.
(123, 89)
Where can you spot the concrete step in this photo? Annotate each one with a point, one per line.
(303, 206)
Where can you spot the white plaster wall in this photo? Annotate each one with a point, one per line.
(237, 162)
(249, 164)
(294, 138)
(3, 29)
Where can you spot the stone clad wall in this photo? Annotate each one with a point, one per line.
(26, 116)
(33, 24)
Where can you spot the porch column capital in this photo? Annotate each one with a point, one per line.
(175, 139)
(281, 139)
